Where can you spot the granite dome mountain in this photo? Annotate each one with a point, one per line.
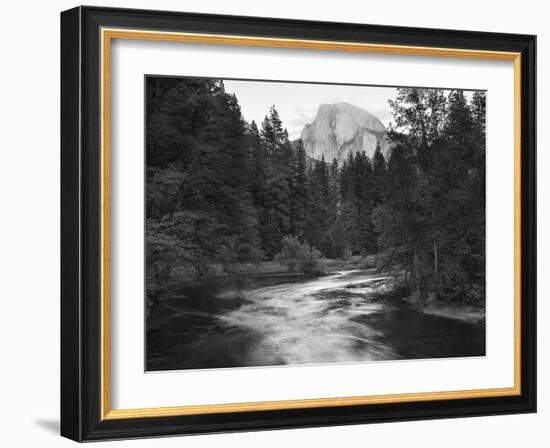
(341, 128)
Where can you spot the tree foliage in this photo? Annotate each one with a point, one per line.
(222, 191)
(198, 200)
(299, 256)
(431, 224)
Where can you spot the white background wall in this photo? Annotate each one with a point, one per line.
(29, 226)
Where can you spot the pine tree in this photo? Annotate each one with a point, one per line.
(278, 180)
(378, 176)
(432, 221)
(299, 190)
(364, 202)
(460, 183)
(336, 241)
(317, 227)
(479, 109)
(348, 209)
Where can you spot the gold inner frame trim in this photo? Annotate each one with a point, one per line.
(107, 35)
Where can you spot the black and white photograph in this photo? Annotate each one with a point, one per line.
(303, 223)
(278, 224)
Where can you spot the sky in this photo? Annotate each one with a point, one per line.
(297, 103)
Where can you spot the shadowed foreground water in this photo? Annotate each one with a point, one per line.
(330, 319)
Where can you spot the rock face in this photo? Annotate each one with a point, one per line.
(341, 128)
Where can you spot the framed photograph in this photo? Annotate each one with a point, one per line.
(276, 224)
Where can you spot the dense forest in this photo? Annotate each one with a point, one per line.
(221, 191)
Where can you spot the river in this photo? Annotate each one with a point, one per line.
(330, 319)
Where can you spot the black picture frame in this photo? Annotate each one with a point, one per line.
(81, 414)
